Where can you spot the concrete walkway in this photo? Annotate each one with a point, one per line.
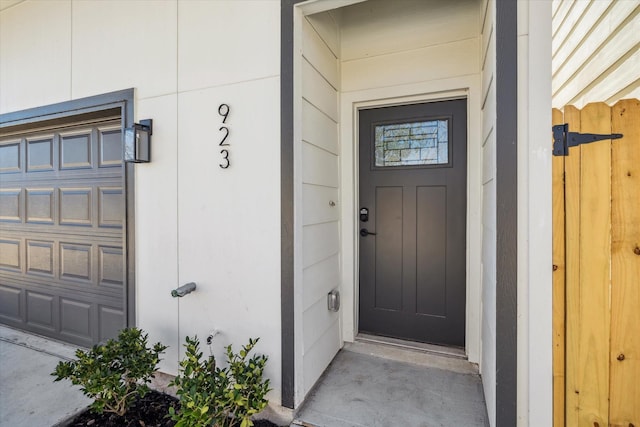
(370, 385)
(28, 395)
(367, 385)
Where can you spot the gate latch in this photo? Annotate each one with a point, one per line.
(563, 139)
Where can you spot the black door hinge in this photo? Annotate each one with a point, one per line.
(563, 139)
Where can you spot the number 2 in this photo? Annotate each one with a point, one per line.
(226, 135)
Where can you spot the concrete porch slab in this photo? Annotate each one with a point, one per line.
(378, 386)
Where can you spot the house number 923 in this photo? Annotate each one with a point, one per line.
(224, 111)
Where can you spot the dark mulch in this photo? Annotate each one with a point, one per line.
(149, 411)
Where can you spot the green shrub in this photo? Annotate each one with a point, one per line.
(115, 373)
(224, 397)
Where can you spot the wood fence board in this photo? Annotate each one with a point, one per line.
(595, 271)
(558, 282)
(625, 266)
(598, 314)
(572, 263)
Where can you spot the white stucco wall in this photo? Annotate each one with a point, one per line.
(194, 221)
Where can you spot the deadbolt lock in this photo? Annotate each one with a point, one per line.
(364, 214)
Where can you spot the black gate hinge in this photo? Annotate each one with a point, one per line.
(563, 139)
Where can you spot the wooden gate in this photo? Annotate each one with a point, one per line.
(596, 279)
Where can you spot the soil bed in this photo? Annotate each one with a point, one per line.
(149, 411)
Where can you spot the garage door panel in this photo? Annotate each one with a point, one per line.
(110, 206)
(10, 250)
(98, 204)
(111, 263)
(110, 319)
(75, 262)
(40, 205)
(11, 205)
(11, 305)
(40, 155)
(76, 151)
(11, 157)
(108, 294)
(71, 177)
(110, 148)
(40, 257)
(75, 206)
(55, 257)
(41, 310)
(62, 219)
(104, 235)
(80, 290)
(76, 318)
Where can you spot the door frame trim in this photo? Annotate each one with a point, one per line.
(64, 111)
(447, 89)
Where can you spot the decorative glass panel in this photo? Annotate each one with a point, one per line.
(411, 144)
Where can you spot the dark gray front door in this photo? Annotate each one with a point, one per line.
(413, 164)
(62, 223)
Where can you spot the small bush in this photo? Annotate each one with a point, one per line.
(224, 397)
(115, 373)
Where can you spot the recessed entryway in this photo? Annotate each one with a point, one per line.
(341, 73)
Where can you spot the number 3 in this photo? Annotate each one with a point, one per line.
(225, 153)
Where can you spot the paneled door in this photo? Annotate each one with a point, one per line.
(412, 221)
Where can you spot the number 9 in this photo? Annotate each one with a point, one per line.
(223, 110)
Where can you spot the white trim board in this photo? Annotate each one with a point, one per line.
(535, 315)
(350, 102)
(297, 207)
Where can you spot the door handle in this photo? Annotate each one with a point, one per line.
(364, 232)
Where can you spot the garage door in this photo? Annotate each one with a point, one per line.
(62, 219)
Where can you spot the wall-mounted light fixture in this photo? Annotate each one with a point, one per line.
(137, 142)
